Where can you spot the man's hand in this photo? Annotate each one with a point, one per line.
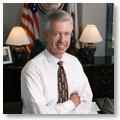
(75, 99)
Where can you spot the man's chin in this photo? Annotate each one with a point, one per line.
(61, 51)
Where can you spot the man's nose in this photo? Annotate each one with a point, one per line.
(62, 37)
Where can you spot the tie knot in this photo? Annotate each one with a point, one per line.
(60, 63)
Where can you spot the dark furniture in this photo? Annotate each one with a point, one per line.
(11, 89)
(11, 83)
(100, 75)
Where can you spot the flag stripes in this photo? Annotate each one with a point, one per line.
(30, 22)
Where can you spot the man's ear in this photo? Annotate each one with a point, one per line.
(45, 35)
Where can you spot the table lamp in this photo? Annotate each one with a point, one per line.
(18, 38)
(89, 36)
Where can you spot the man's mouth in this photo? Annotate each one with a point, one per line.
(60, 46)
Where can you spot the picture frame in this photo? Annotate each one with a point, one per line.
(7, 57)
(46, 7)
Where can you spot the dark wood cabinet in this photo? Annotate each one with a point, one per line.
(11, 89)
(11, 83)
(101, 77)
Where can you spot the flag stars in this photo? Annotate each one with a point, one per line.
(33, 7)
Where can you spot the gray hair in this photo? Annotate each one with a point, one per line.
(57, 15)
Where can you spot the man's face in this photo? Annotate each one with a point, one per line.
(58, 38)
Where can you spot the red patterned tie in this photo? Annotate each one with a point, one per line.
(62, 84)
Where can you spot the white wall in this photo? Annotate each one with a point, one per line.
(95, 13)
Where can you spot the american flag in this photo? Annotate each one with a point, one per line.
(30, 22)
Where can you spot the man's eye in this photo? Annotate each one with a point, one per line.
(68, 34)
(55, 33)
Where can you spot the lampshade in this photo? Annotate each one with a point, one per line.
(17, 37)
(90, 34)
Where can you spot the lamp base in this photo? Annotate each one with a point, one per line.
(86, 54)
(90, 46)
(19, 54)
(90, 49)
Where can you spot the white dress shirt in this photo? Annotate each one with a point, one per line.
(39, 90)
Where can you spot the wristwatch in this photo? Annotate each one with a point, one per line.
(45, 7)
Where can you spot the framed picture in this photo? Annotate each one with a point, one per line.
(45, 7)
(7, 58)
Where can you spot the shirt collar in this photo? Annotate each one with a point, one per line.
(52, 59)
